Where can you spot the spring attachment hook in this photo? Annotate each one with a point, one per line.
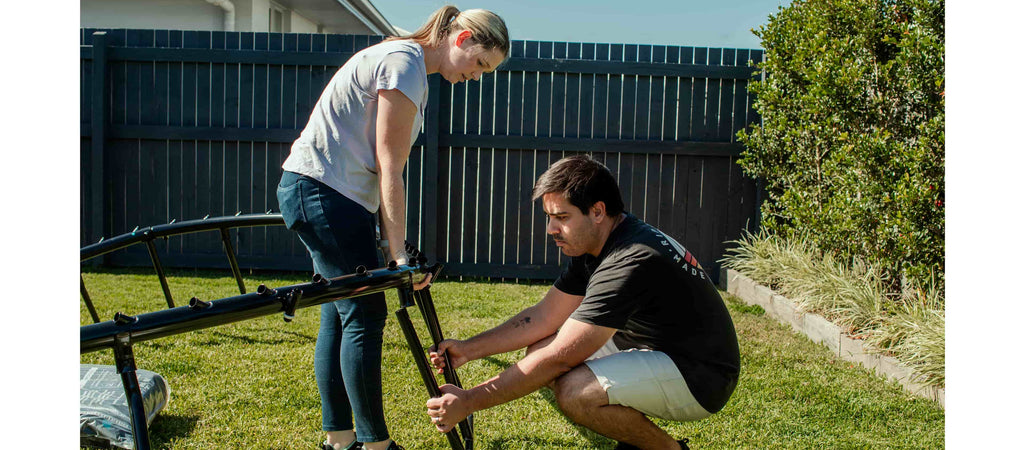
(321, 280)
(196, 304)
(124, 319)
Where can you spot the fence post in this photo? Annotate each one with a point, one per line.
(430, 168)
(99, 93)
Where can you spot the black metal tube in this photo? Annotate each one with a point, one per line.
(423, 367)
(160, 272)
(179, 320)
(230, 251)
(173, 229)
(426, 303)
(88, 301)
(125, 363)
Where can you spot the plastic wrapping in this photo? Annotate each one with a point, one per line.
(105, 417)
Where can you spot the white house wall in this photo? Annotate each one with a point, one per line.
(250, 15)
(260, 14)
(301, 24)
(156, 14)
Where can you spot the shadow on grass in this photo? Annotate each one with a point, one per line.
(222, 338)
(596, 440)
(531, 442)
(168, 427)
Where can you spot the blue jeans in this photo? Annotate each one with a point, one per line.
(339, 233)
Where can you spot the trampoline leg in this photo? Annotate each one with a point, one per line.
(125, 363)
(230, 251)
(424, 367)
(160, 272)
(426, 304)
(88, 301)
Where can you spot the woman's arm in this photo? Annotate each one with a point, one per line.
(395, 116)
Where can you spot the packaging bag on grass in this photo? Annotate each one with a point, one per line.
(105, 419)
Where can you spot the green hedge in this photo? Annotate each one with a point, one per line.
(851, 144)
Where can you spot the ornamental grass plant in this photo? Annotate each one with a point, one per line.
(908, 325)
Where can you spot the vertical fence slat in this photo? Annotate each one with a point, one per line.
(613, 126)
(571, 115)
(99, 117)
(414, 190)
(500, 175)
(510, 225)
(726, 99)
(687, 107)
(232, 117)
(642, 104)
(545, 93)
(471, 166)
(681, 198)
(530, 82)
(526, 172)
(588, 98)
(712, 94)
(88, 234)
(545, 117)
(431, 175)
(717, 181)
(601, 96)
(485, 175)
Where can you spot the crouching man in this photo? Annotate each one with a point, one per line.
(632, 328)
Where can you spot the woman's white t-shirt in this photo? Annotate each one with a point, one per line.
(337, 147)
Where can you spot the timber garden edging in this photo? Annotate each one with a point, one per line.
(821, 330)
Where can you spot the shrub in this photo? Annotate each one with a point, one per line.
(851, 144)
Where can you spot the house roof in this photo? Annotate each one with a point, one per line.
(362, 14)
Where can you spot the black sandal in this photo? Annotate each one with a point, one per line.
(355, 445)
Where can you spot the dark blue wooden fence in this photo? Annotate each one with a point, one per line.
(179, 125)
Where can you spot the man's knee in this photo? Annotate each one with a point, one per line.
(578, 391)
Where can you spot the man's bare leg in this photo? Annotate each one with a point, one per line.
(584, 401)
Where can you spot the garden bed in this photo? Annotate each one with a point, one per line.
(821, 330)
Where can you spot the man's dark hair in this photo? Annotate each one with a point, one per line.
(584, 181)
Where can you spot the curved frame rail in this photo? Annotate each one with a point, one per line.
(147, 235)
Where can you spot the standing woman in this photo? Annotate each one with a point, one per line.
(346, 165)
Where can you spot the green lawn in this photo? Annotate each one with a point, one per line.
(250, 384)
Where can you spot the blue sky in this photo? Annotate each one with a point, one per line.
(704, 23)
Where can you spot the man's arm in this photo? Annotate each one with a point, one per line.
(529, 326)
(395, 116)
(574, 342)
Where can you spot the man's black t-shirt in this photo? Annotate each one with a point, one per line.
(647, 286)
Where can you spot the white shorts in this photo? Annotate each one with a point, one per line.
(645, 380)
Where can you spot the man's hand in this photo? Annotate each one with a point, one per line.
(448, 410)
(451, 347)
